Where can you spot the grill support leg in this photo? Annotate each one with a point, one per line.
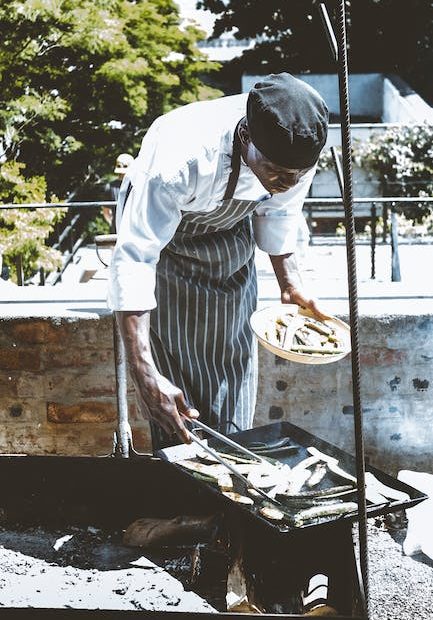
(123, 432)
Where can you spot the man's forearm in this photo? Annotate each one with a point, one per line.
(289, 279)
(158, 399)
(287, 272)
(134, 329)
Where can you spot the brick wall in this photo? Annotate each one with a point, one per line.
(57, 388)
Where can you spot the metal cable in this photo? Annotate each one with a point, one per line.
(353, 294)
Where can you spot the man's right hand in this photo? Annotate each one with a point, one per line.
(162, 402)
(159, 400)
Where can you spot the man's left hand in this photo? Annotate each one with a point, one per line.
(292, 295)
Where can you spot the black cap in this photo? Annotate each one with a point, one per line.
(287, 121)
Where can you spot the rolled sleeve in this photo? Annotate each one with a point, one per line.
(148, 222)
(276, 220)
(131, 286)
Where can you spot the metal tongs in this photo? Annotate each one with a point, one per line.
(238, 447)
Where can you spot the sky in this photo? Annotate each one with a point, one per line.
(188, 10)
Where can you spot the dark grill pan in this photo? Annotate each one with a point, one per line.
(275, 434)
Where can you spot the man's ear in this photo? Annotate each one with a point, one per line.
(244, 134)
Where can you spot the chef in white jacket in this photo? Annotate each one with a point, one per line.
(212, 179)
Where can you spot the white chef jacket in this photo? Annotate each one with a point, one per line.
(184, 165)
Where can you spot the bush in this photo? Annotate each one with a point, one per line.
(402, 159)
(24, 231)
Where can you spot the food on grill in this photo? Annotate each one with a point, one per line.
(240, 499)
(273, 514)
(277, 447)
(268, 476)
(294, 332)
(255, 494)
(330, 492)
(327, 510)
(319, 472)
(235, 458)
(332, 464)
(225, 482)
(297, 480)
(297, 495)
(214, 471)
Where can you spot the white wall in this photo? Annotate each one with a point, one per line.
(365, 91)
(370, 94)
(404, 108)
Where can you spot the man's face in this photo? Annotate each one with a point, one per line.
(275, 179)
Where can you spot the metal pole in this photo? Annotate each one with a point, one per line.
(123, 428)
(338, 169)
(395, 259)
(373, 240)
(353, 294)
(385, 222)
(329, 31)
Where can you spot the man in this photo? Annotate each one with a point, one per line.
(212, 179)
(111, 189)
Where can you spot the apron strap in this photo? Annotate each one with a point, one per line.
(236, 166)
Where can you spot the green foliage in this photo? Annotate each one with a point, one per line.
(24, 231)
(97, 226)
(386, 36)
(401, 157)
(81, 80)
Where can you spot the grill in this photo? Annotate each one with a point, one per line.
(41, 494)
(301, 439)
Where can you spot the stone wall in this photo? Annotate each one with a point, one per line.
(57, 390)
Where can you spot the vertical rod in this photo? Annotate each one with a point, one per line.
(395, 259)
(59, 269)
(19, 269)
(329, 30)
(338, 169)
(353, 295)
(123, 428)
(71, 241)
(373, 240)
(41, 276)
(385, 222)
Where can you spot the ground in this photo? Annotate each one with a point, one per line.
(401, 587)
(93, 570)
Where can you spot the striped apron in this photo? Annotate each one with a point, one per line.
(206, 291)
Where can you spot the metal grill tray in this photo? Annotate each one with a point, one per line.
(302, 439)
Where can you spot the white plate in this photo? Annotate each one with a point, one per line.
(260, 320)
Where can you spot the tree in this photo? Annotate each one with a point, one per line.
(81, 80)
(389, 36)
(23, 231)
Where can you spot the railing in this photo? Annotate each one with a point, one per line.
(388, 206)
(68, 241)
(315, 208)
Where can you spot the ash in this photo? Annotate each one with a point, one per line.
(85, 568)
(401, 587)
